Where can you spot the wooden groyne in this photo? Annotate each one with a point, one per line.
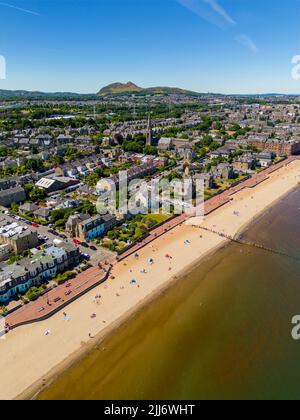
(241, 241)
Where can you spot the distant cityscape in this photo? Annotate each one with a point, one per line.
(54, 153)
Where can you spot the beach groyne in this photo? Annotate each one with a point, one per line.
(252, 244)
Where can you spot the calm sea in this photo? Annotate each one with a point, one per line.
(222, 332)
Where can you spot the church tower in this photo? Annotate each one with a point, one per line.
(149, 132)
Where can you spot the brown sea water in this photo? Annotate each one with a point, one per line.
(222, 332)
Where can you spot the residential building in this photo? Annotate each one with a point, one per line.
(224, 152)
(18, 278)
(5, 252)
(53, 184)
(19, 237)
(73, 222)
(27, 208)
(265, 159)
(42, 213)
(165, 144)
(244, 164)
(224, 171)
(207, 179)
(12, 195)
(90, 228)
(7, 183)
(277, 146)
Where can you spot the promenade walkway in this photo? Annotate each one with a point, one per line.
(57, 298)
(226, 196)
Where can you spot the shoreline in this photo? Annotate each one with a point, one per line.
(263, 212)
(68, 342)
(35, 389)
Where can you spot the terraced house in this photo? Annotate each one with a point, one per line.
(18, 278)
(87, 228)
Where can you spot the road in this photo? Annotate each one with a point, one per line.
(96, 256)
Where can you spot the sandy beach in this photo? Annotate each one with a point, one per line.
(29, 358)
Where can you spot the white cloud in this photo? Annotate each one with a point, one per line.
(247, 42)
(210, 10)
(213, 12)
(216, 7)
(20, 9)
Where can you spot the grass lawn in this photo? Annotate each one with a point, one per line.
(132, 231)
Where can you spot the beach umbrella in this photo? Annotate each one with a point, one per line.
(133, 281)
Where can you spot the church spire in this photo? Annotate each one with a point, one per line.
(149, 132)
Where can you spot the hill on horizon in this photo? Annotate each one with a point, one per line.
(126, 88)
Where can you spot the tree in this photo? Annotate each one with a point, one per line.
(207, 140)
(214, 146)
(37, 194)
(133, 146)
(33, 164)
(151, 150)
(139, 234)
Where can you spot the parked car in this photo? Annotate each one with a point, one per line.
(53, 232)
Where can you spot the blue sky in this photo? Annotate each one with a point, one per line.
(227, 46)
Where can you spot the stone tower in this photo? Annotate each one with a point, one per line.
(149, 132)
